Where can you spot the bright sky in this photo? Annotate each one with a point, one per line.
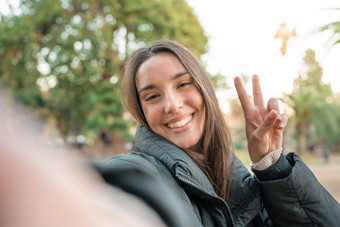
(241, 40)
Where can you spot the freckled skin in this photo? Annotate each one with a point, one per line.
(166, 98)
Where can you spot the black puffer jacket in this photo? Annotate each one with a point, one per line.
(169, 181)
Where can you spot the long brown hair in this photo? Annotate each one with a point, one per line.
(215, 143)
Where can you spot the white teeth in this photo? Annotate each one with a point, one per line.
(181, 123)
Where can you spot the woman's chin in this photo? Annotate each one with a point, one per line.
(185, 145)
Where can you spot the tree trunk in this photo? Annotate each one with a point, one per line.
(301, 129)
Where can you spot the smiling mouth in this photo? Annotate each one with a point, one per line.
(181, 123)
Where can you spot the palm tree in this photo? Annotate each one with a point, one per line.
(310, 101)
(313, 114)
(335, 39)
(335, 28)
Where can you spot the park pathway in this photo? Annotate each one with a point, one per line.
(328, 174)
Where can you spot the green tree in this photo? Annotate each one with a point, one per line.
(64, 58)
(310, 100)
(334, 27)
(333, 138)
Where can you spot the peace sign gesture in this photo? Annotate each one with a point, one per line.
(264, 125)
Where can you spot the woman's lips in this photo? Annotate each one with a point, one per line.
(180, 123)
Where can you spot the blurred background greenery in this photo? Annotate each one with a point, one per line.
(63, 59)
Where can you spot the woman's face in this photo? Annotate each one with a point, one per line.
(171, 101)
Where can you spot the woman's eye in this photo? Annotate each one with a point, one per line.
(183, 84)
(151, 97)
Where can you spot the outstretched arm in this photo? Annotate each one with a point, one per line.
(41, 186)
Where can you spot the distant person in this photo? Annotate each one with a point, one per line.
(184, 166)
(322, 151)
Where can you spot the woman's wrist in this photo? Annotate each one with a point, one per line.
(267, 160)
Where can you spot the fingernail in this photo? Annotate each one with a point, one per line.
(272, 114)
(282, 125)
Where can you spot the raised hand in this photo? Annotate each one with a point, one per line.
(264, 125)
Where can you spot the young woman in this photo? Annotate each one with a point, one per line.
(184, 167)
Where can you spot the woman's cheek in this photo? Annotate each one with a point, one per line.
(151, 113)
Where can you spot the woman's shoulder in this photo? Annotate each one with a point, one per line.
(130, 171)
(146, 177)
(134, 162)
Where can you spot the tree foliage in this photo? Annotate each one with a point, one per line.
(63, 58)
(312, 102)
(335, 28)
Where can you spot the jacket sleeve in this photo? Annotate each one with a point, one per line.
(293, 196)
(136, 176)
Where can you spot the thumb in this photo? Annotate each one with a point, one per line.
(267, 124)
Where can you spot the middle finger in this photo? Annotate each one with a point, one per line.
(257, 92)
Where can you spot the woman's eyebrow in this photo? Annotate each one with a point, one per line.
(151, 86)
(146, 88)
(178, 75)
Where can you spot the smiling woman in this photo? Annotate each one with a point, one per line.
(183, 86)
(171, 101)
(184, 166)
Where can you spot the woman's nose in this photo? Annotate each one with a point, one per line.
(173, 103)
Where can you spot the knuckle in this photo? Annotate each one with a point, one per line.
(256, 136)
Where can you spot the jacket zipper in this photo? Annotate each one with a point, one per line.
(230, 220)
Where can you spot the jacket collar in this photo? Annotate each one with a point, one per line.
(173, 157)
(245, 198)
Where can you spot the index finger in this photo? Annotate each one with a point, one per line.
(242, 95)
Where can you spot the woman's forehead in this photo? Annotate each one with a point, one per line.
(163, 65)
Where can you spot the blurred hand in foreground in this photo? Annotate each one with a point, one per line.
(44, 187)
